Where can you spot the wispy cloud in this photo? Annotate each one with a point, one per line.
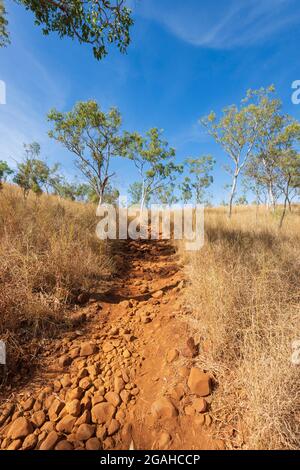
(223, 24)
(30, 94)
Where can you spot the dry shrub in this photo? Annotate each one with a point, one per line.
(49, 254)
(245, 298)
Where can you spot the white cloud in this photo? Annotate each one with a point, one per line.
(223, 24)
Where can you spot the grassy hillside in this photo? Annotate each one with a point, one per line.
(49, 255)
(245, 300)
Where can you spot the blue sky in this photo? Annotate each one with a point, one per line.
(186, 58)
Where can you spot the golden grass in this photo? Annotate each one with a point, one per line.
(49, 254)
(245, 297)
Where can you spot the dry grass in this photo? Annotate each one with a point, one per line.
(49, 254)
(245, 297)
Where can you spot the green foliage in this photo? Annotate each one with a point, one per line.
(166, 194)
(33, 174)
(154, 160)
(200, 176)
(4, 36)
(93, 136)
(239, 129)
(186, 190)
(242, 201)
(5, 171)
(97, 23)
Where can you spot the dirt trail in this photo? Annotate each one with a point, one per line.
(124, 376)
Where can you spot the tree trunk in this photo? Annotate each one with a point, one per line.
(271, 197)
(143, 197)
(232, 194)
(285, 203)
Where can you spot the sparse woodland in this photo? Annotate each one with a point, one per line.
(242, 293)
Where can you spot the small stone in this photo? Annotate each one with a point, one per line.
(30, 442)
(66, 424)
(50, 441)
(55, 409)
(85, 418)
(64, 445)
(113, 397)
(113, 427)
(119, 384)
(101, 432)
(103, 412)
(172, 355)
(93, 444)
(126, 354)
(163, 408)
(158, 294)
(73, 407)
(87, 349)
(85, 432)
(20, 428)
(38, 418)
(125, 396)
(28, 404)
(85, 383)
(15, 445)
(199, 382)
(76, 394)
(107, 347)
(200, 405)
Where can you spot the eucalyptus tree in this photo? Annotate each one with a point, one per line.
(154, 161)
(200, 177)
(94, 137)
(98, 23)
(238, 131)
(33, 174)
(5, 171)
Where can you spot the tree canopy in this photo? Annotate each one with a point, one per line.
(98, 23)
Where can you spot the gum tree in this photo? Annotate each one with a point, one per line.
(98, 23)
(238, 129)
(33, 174)
(5, 171)
(94, 137)
(200, 177)
(154, 161)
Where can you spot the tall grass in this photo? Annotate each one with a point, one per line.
(245, 296)
(49, 254)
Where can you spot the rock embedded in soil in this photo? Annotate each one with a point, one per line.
(66, 424)
(172, 355)
(163, 408)
(87, 349)
(20, 428)
(93, 444)
(64, 445)
(50, 441)
(85, 432)
(199, 382)
(103, 413)
(30, 442)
